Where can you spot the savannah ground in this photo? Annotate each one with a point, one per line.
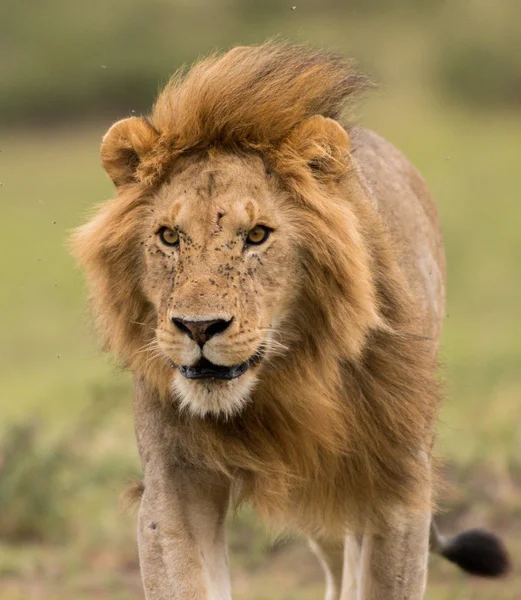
(67, 444)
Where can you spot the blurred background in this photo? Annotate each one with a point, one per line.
(449, 96)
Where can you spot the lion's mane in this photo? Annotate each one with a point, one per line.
(341, 430)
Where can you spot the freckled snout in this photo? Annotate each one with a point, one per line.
(200, 331)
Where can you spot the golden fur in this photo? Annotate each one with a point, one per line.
(335, 429)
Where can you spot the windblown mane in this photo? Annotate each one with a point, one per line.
(249, 98)
(345, 422)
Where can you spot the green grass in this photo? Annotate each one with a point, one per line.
(51, 368)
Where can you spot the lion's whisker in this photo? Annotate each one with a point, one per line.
(274, 345)
(154, 356)
(146, 347)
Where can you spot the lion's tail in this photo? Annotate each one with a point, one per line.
(475, 551)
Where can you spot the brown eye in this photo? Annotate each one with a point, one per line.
(258, 235)
(169, 237)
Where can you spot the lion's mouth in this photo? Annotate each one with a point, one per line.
(205, 369)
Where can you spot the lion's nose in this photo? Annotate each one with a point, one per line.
(201, 331)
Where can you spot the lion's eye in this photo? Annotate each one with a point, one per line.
(169, 237)
(258, 235)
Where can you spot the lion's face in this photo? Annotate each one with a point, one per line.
(205, 265)
(219, 261)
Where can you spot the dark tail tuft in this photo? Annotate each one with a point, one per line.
(477, 552)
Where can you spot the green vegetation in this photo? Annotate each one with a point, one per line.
(67, 444)
(63, 60)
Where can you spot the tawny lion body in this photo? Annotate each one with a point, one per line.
(275, 281)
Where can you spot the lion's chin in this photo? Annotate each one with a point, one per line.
(218, 397)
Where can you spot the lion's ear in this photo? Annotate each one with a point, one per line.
(124, 146)
(323, 144)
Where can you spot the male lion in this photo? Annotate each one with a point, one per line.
(274, 279)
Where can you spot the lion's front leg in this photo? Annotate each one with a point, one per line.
(394, 566)
(182, 547)
(181, 529)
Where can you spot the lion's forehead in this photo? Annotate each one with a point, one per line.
(215, 221)
(206, 196)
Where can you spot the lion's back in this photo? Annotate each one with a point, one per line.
(407, 207)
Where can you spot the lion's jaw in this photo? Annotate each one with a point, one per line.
(212, 396)
(214, 274)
